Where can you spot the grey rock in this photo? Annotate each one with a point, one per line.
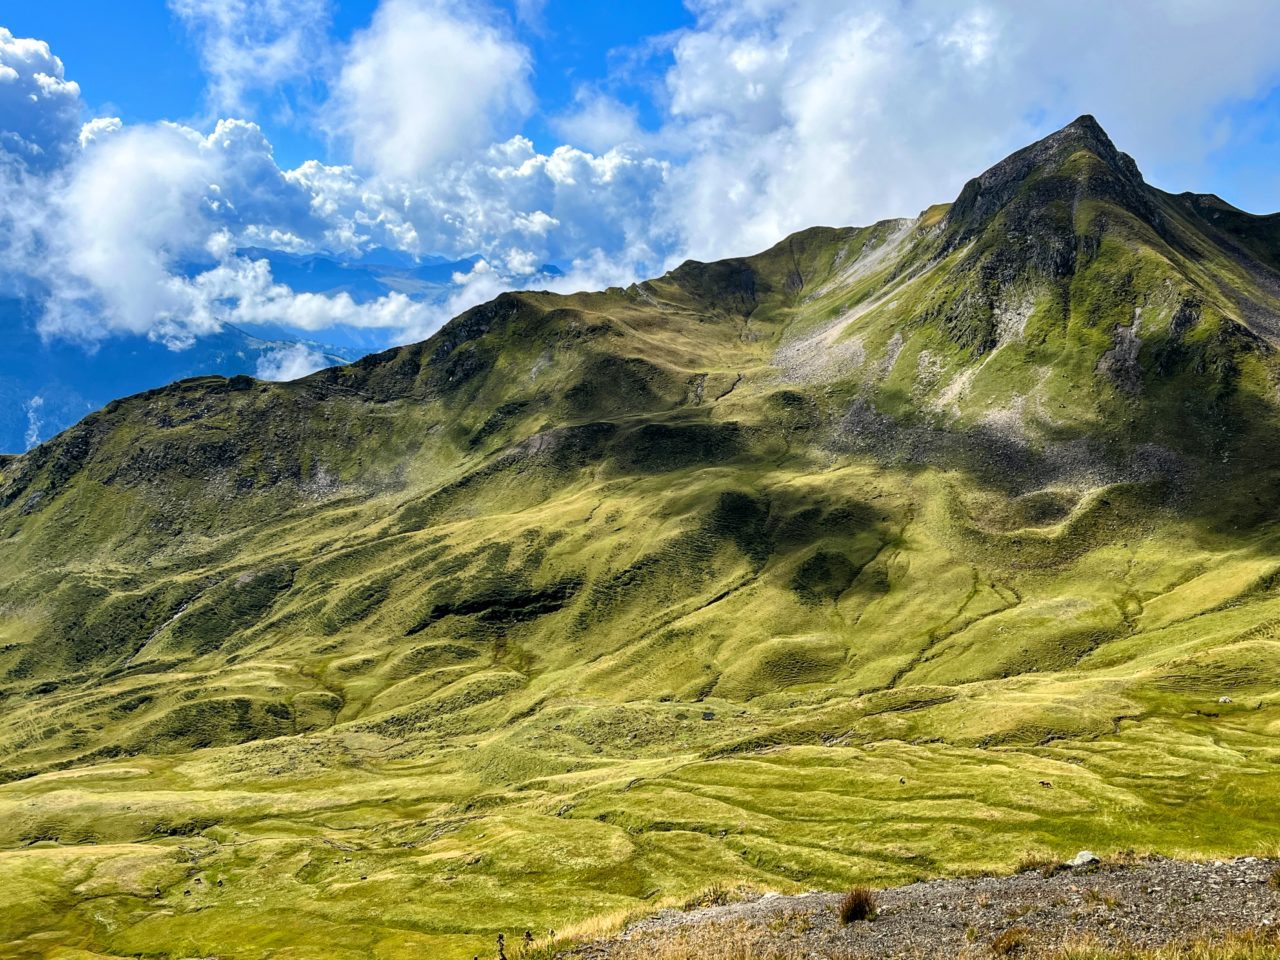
(1085, 858)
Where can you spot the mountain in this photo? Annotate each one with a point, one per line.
(48, 385)
(373, 274)
(889, 552)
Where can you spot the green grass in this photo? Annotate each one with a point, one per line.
(591, 603)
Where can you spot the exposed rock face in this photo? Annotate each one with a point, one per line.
(1120, 363)
(1016, 188)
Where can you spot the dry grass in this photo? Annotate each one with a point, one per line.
(740, 940)
(734, 941)
(1011, 943)
(1044, 864)
(607, 925)
(1257, 945)
(720, 895)
(594, 928)
(1101, 898)
(858, 904)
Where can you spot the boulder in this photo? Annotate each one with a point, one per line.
(1085, 858)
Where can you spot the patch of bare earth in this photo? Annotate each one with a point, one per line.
(1150, 904)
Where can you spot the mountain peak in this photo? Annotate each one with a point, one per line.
(1054, 166)
(1086, 124)
(1084, 132)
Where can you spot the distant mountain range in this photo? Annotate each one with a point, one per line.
(46, 386)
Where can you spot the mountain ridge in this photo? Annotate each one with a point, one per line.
(988, 192)
(46, 385)
(761, 571)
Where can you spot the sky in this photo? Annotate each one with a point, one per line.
(151, 150)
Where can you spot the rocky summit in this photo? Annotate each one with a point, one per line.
(887, 554)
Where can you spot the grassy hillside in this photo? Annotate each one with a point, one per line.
(887, 553)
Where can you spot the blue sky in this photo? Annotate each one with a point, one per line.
(573, 43)
(150, 150)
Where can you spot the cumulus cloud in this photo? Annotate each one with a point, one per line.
(39, 107)
(139, 235)
(290, 362)
(98, 128)
(774, 115)
(241, 290)
(558, 205)
(127, 213)
(789, 113)
(427, 82)
(509, 203)
(250, 46)
(600, 122)
(355, 212)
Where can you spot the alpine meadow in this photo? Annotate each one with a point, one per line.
(915, 550)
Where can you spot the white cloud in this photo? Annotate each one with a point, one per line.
(290, 362)
(558, 206)
(24, 215)
(98, 128)
(129, 228)
(789, 113)
(355, 213)
(35, 421)
(241, 291)
(129, 210)
(776, 116)
(600, 122)
(530, 13)
(39, 107)
(552, 207)
(250, 46)
(426, 83)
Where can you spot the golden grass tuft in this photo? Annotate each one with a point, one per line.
(1011, 943)
(1250, 945)
(720, 895)
(857, 905)
(721, 941)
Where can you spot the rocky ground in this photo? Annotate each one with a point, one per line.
(1148, 903)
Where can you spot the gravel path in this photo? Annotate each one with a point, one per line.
(1148, 903)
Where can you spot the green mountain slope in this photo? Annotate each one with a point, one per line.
(797, 568)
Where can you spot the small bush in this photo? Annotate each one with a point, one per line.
(1011, 942)
(858, 904)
